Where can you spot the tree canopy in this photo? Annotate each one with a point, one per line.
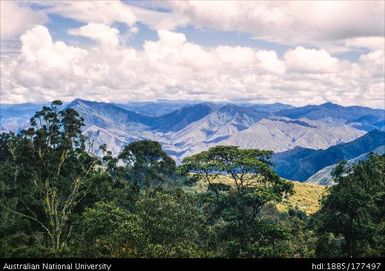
(352, 217)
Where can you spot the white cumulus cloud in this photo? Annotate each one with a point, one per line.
(172, 67)
(16, 18)
(106, 35)
(302, 60)
(106, 12)
(366, 42)
(293, 22)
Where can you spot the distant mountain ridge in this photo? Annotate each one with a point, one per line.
(154, 109)
(187, 128)
(328, 110)
(360, 117)
(107, 110)
(324, 176)
(271, 108)
(180, 118)
(16, 116)
(308, 161)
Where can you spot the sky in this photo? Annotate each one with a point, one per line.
(305, 52)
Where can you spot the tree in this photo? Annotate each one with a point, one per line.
(254, 184)
(51, 170)
(174, 224)
(301, 238)
(107, 230)
(352, 216)
(146, 164)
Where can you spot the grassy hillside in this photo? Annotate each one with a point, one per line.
(306, 196)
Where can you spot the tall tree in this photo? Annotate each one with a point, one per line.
(50, 161)
(254, 184)
(352, 217)
(145, 164)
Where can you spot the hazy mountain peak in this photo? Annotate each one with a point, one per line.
(180, 118)
(330, 105)
(77, 101)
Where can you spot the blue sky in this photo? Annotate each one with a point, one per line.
(289, 52)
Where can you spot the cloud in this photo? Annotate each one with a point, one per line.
(16, 18)
(269, 61)
(159, 20)
(107, 36)
(172, 67)
(44, 70)
(310, 60)
(375, 43)
(294, 22)
(337, 26)
(171, 38)
(373, 63)
(311, 23)
(105, 12)
(39, 49)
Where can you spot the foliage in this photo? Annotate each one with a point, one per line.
(49, 171)
(352, 216)
(145, 164)
(255, 184)
(174, 224)
(107, 230)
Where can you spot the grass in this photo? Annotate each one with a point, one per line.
(306, 197)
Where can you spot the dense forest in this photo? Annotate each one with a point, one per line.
(59, 200)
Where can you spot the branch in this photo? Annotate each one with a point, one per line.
(29, 209)
(32, 218)
(62, 160)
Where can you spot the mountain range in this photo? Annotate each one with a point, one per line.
(324, 176)
(300, 136)
(309, 161)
